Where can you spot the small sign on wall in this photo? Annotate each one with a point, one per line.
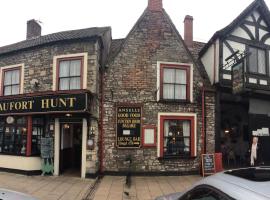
(128, 124)
(149, 136)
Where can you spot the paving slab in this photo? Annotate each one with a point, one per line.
(47, 187)
(142, 188)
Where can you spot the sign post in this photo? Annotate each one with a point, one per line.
(208, 164)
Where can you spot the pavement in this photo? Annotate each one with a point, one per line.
(47, 187)
(142, 188)
(107, 188)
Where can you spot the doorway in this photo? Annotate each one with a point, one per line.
(70, 149)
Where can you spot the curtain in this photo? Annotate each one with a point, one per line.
(75, 68)
(168, 91)
(15, 77)
(169, 75)
(181, 76)
(180, 92)
(8, 78)
(186, 128)
(64, 84)
(64, 69)
(166, 132)
(75, 83)
(261, 62)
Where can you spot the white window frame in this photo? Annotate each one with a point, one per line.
(85, 67)
(159, 63)
(177, 115)
(2, 69)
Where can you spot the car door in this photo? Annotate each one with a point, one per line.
(205, 192)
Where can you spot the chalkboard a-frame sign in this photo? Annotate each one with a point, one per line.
(208, 164)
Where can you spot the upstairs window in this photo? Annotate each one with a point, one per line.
(175, 83)
(70, 74)
(11, 81)
(257, 60)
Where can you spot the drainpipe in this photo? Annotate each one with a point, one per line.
(203, 120)
(101, 113)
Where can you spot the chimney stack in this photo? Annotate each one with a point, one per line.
(33, 29)
(155, 5)
(188, 30)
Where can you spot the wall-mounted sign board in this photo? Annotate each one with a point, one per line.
(208, 164)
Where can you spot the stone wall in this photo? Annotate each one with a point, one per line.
(132, 78)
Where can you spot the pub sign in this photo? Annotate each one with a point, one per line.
(128, 126)
(238, 81)
(44, 104)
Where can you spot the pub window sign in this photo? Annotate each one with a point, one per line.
(128, 133)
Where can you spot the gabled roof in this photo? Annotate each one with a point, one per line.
(117, 46)
(55, 37)
(257, 4)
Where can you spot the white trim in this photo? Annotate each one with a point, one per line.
(85, 67)
(21, 65)
(84, 138)
(56, 146)
(177, 115)
(175, 63)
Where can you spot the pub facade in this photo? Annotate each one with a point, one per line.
(158, 108)
(49, 103)
(236, 60)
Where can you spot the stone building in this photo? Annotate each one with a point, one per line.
(50, 89)
(158, 108)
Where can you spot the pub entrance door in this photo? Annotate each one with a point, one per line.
(70, 149)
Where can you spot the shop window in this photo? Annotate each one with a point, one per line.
(177, 137)
(11, 81)
(13, 136)
(149, 136)
(174, 82)
(70, 73)
(37, 133)
(257, 60)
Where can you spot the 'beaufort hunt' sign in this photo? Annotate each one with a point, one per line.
(45, 103)
(128, 127)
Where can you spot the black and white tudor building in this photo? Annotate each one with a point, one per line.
(237, 61)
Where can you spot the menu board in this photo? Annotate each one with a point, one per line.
(46, 147)
(128, 133)
(208, 164)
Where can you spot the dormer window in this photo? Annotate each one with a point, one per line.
(257, 60)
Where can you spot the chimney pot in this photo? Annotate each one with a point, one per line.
(33, 29)
(155, 5)
(188, 30)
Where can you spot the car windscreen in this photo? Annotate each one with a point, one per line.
(260, 174)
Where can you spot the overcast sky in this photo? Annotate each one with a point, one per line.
(60, 15)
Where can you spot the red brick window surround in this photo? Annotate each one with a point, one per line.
(149, 136)
(11, 83)
(177, 136)
(174, 82)
(69, 73)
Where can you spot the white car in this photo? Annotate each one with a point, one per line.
(239, 184)
(13, 195)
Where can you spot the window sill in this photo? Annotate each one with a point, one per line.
(173, 101)
(176, 158)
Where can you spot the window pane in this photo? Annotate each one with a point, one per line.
(64, 84)
(75, 83)
(15, 77)
(8, 78)
(75, 68)
(181, 76)
(261, 62)
(180, 92)
(7, 90)
(64, 69)
(186, 128)
(176, 137)
(253, 60)
(169, 75)
(15, 89)
(168, 91)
